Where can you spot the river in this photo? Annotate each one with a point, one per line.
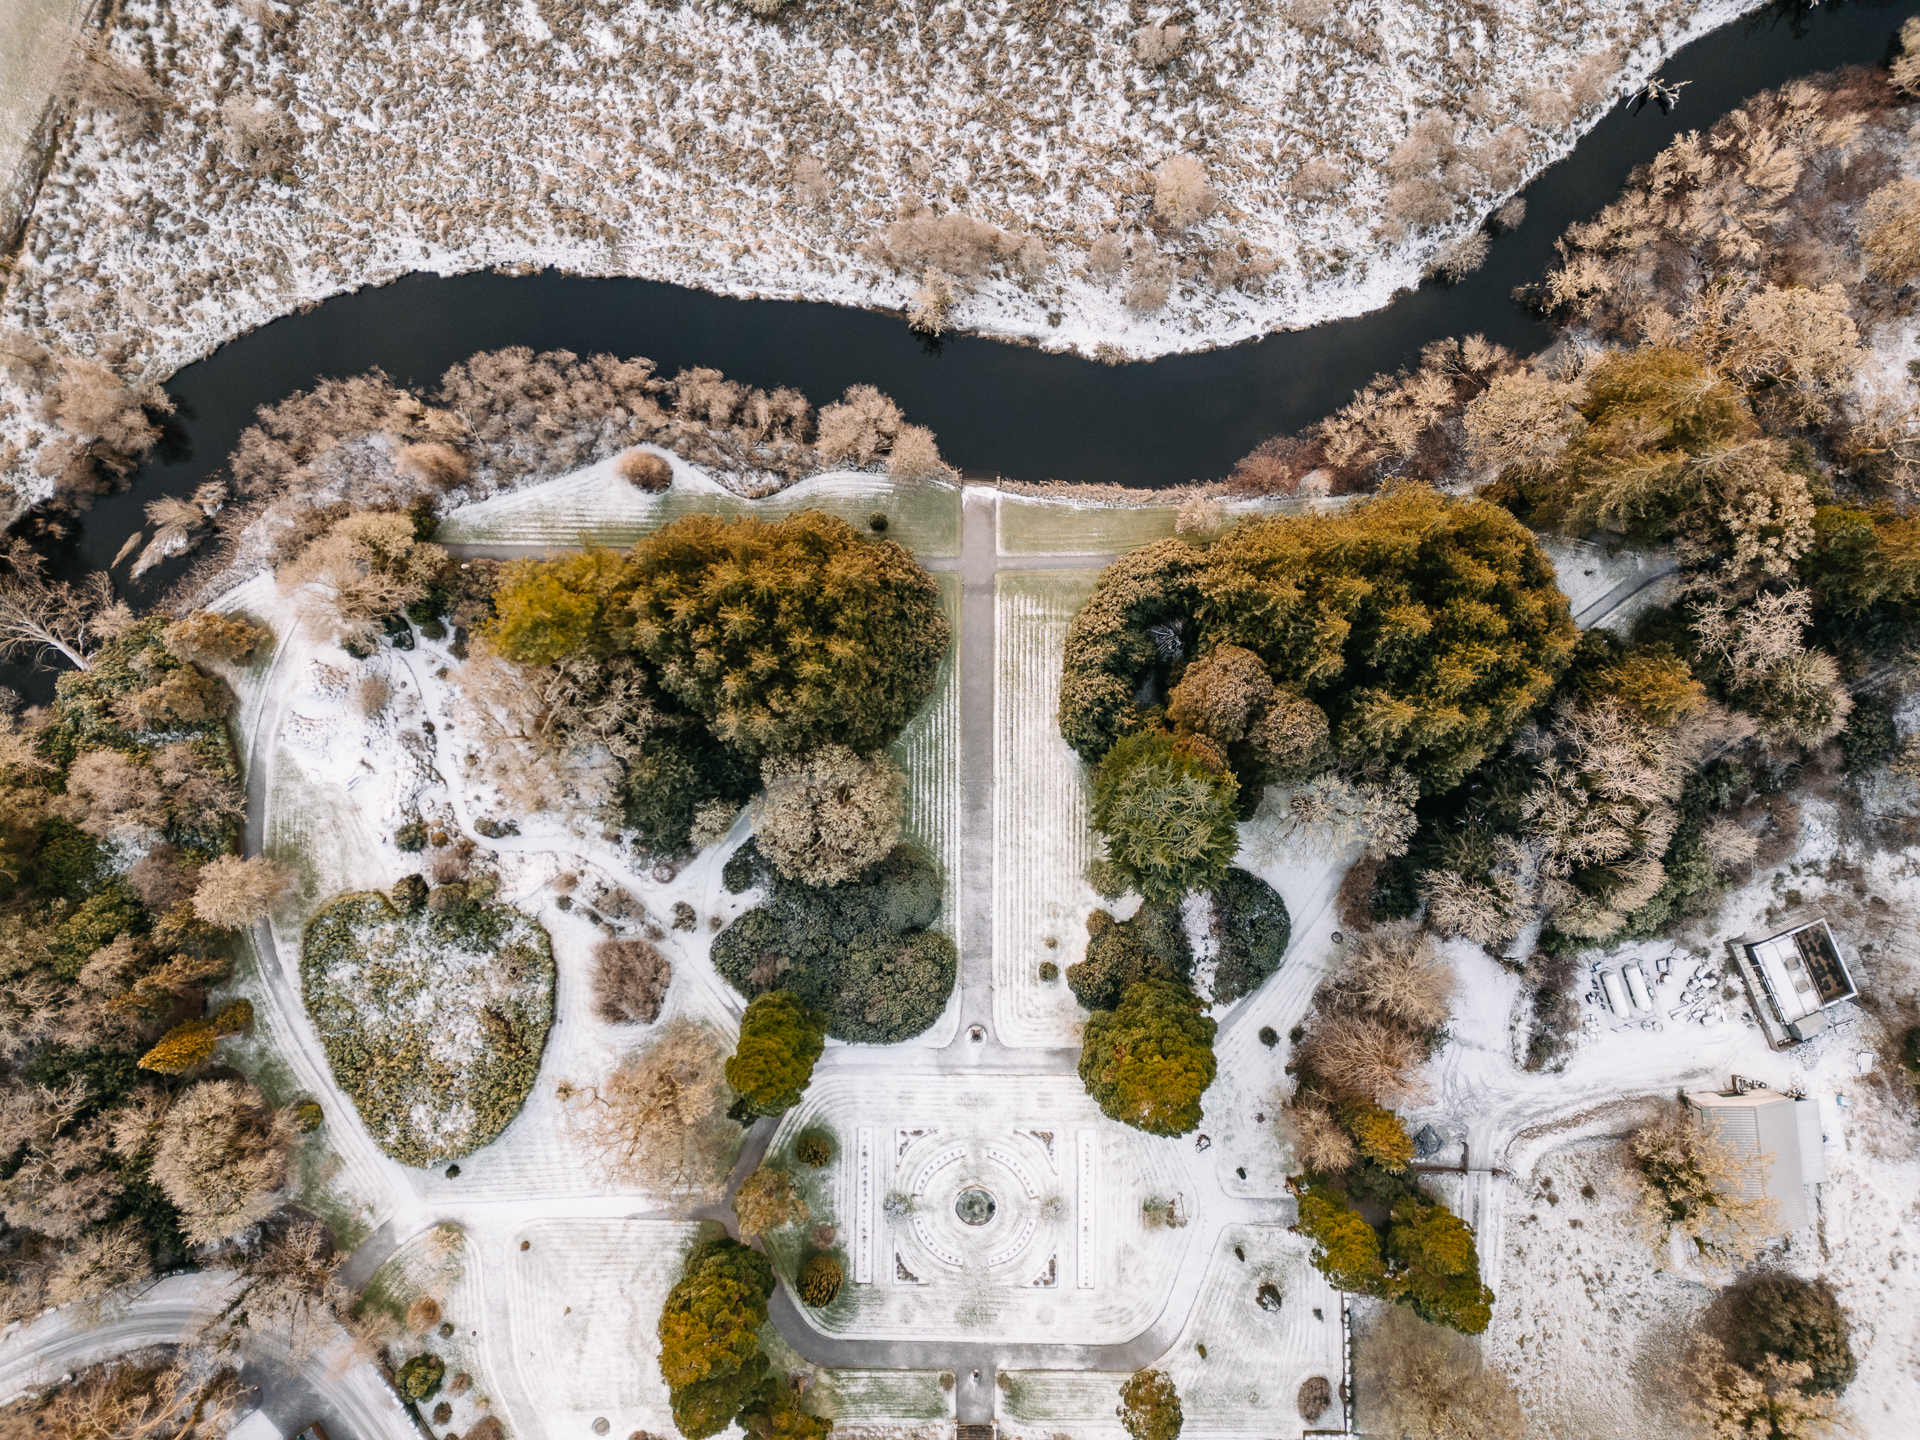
(999, 407)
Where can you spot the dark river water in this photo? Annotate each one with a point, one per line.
(994, 406)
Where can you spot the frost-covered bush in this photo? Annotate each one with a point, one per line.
(433, 1021)
(630, 980)
(826, 817)
(860, 951)
(1251, 931)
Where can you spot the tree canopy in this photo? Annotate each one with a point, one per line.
(779, 1042)
(1148, 1062)
(709, 1331)
(715, 645)
(1167, 814)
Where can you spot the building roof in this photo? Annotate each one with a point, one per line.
(1763, 1130)
(1802, 970)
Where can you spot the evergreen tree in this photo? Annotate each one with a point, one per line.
(1167, 814)
(1799, 1322)
(709, 1334)
(1345, 1250)
(1148, 1063)
(779, 1043)
(787, 635)
(1150, 1406)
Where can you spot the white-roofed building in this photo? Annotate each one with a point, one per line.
(1778, 1143)
(1797, 975)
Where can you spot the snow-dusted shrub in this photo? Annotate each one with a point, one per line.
(932, 306)
(956, 244)
(1157, 45)
(213, 638)
(365, 568)
(1150, 1406)
(630, 980)
(860, 428)
(434, 463)
(1317, 178)
(810, 185)
(915, 456)
(1106, 256)
(97, 79)
(1152, 284)
(233, 893)
(1420, 201)
(1361, 1054)
(1774, 1397)
(1461, 258)
(824, 818)
(767, 1200)
(440, 1053)
(1181, 194)
(221, 1158)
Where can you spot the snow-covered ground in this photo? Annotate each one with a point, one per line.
(1588, 1314)
(344, 145)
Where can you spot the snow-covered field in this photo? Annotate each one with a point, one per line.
(344, 145)
(1042, 841)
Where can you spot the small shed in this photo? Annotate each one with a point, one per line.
(1776, 1139)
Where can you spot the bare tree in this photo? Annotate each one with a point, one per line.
(38, 614)
(233, 893)
(221, 1158)
(1420, 1382)
(630, 980)
(659, 1121)
(827, 817)
(127, 1400)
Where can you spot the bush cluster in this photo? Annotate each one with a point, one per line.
(747, 640)
(433, 1020)
(860, 951)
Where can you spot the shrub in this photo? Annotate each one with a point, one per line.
(411, 837)
(820, 1279)
(419, 1379)
(423, 1314)
(1889, 229)
(814, 1149)
(1049, 972)
(1167, 816)
(1148, 1062)
(767, 1200)
(737, 873)
(1269, 1037)
(1796, 1321)
(378, 984)
(409, 893)
(209, 637)
(644, 470)
(1181, 194)
(1149, 1406)
(779, 1042)
(1251, 931)
(860, 952)
(1152, 945)
(630, 980)
(182, 697)
(830, 816)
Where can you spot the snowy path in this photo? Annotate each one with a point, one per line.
(351, 1397)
